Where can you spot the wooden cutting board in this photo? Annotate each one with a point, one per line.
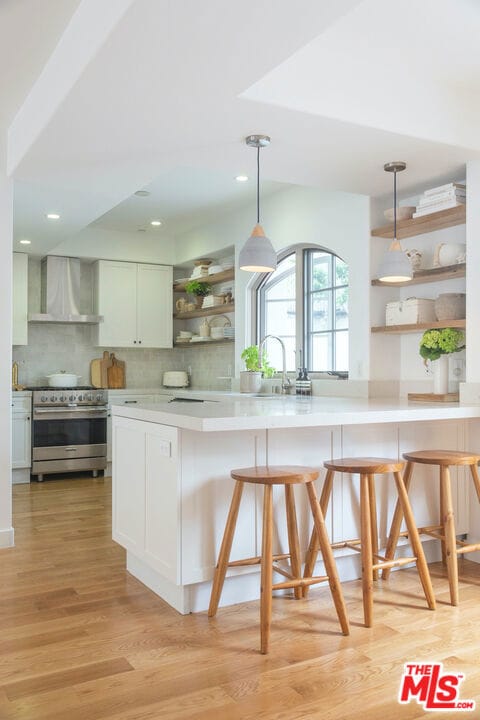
(99, 370)
(431, 397)
(116, 373)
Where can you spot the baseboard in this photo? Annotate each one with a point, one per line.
(7, 538)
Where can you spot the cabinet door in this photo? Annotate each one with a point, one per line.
(21, 440)
(20, 299)
(154, 306)
(116, 284)
(128, 485)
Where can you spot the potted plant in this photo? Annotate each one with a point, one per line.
(199, 289)
(251, 377)
(435, 346)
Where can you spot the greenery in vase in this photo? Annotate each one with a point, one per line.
(435, 343)
(250, 356)
(196, 287)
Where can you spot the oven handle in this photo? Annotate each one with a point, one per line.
(69, 411)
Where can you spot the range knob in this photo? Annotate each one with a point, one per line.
(44, 398)
(89, 396)
(99, 396)
(71, 398)
(62, 398)
(53, 398)
(80, 398)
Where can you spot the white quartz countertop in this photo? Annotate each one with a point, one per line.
(240, 413)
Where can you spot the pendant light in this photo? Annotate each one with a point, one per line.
(258, 255)
(396, 265)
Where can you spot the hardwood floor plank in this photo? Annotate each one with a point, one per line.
(80, 639)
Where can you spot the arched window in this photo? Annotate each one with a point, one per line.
(305, 302)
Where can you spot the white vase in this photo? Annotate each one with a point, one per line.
(250, 382)
(440, 375)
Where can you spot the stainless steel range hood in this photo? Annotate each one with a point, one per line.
(61, 292)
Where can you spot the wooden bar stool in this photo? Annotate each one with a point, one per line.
(367, 545)
(445, 530)
(287, 475)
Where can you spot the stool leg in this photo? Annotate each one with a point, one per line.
(448, 520)
(224, 554)
(476, 479)
(415, 541)
(314, 547)
(373, 521)
(266, 570)
(293, 541)
(392, 541)
(366, 552)
(442, 521)
(328, 559)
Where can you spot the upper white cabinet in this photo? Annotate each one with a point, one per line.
(20, 299)
(136, 303)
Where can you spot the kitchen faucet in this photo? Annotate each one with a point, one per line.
(286, 382)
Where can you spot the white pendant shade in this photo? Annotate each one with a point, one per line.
(258, 254)
(395, 266)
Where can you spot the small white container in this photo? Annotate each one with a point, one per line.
(410, 311)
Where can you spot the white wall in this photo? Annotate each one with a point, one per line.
(335, 220)
(6, 232)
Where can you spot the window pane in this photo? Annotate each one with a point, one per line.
(341, 308)
(280, 317)
(341, 272)
(321, 270)
(321, 352)
(321, 311)
(341, 350)
(283, 288)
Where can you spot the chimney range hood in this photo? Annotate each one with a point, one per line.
(60, 292)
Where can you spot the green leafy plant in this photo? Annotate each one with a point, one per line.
(250, 357)
(435, 343)
(196, 287)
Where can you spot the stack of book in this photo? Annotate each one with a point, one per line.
(441, 198)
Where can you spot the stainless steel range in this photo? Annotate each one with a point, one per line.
(69, 430)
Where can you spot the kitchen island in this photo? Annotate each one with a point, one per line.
(172, 486)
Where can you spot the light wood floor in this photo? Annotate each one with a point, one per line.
(81, 640)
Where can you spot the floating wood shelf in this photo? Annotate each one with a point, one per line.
(214, 279)
(203, 312)
(425, 224)
(427, 276)
(222, 341)
(420, 327)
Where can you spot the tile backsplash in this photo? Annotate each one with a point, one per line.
(57, 346)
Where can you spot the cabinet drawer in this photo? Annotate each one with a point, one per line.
(21, 404)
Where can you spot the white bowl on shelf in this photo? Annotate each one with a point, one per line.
(404, 212)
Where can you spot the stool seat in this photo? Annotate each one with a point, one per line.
(442, 457)
(368, 465)
(275, 474)
(445, 530)
(286, 475)
(367, 544)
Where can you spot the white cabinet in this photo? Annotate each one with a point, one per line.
(128, 399)
(20, 299)
(146, 494)
(21, 438)
(136, 303)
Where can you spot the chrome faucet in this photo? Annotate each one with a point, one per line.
(286, 382)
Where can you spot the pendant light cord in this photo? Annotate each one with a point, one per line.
(394, 205)
(258, 185)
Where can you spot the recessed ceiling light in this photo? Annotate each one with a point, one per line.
(241, 178)
(142, 193)
(156, 223)
(53, 216)
(25, 242)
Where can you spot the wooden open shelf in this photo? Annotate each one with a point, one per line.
(425, 224)
(420, 327)
(427, 276)
(222, 341)
(214, 279)
(203, 312)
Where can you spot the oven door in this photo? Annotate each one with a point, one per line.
(69, 433)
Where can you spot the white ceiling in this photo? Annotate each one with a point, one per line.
(165, 101)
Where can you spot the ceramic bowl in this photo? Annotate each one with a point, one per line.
(185, 334)
(403, 213)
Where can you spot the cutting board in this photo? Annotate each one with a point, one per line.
(99, 370)
(116, 373)
(432, 397)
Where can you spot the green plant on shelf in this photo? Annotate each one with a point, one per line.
(198, 288)
(435, 343)
(250, 357)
